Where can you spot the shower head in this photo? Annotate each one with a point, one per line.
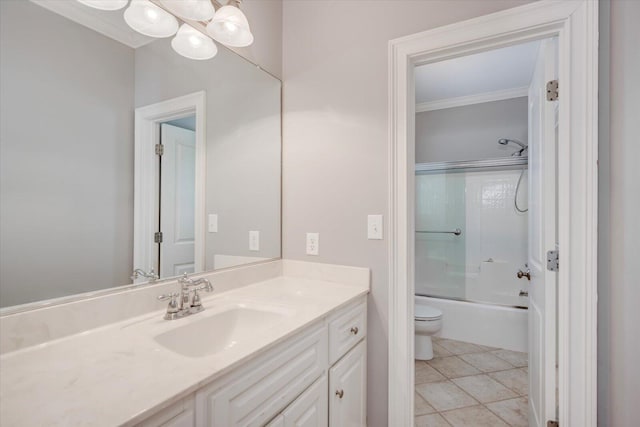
(505, 141)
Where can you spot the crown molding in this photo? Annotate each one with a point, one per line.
(460, 101)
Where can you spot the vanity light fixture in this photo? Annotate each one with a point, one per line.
(192, 44)
(105, 4)
(226, 24)
(149, 19)
(230, 27)
(195, 10)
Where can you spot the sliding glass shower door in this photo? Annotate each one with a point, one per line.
(470, 239)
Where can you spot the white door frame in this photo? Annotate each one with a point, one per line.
(145, 205)
(575, 23)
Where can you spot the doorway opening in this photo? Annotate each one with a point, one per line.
(484, 127)
(170, 159)
(573, 177)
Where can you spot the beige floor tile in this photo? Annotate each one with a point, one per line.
(516, 358)
(433, 420)
(516, 379)
(440, 351)
(475, 416)
(445, 395)
(513, 411)
(459, 347)
(426, 374)
(484, 388)
(486, 362)
(453, 367)
(421, 406)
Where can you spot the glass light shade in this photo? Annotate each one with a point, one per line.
(150, 20)
(105, 4)
(229, 26)
(192, 44)
(195, 10)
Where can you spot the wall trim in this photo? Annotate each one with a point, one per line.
(575, 23)
(480, 98)
(145, 202)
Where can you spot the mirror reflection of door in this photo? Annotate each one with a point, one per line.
(176, 247)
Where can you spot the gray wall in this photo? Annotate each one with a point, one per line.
(471, 132)
(336, 136)
(619, 199)
(265, 18)
(243, 141)
(66, 153)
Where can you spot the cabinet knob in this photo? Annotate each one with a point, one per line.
(354, 330)
(340, 393)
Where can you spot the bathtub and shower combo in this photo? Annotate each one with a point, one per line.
(471, 241)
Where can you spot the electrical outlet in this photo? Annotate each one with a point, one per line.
(374, 227)
(254, 240)
(213, 223)
(313, 243)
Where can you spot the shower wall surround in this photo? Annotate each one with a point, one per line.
(480, 264)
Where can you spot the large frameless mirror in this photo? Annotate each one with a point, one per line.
(124, 162)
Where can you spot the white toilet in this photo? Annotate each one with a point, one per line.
(428, 321)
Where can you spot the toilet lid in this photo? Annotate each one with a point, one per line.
(426, 312)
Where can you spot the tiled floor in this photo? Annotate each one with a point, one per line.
(468, 385)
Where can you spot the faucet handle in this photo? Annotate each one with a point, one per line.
(173, 303)
(173, 295)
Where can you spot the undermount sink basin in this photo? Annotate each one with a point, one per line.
(218, 332)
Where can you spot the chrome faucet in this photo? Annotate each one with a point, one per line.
(151, 275)
(189, 300)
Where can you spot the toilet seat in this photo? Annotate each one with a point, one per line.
(424, 312)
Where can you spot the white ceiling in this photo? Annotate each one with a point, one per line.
(496, 70)
(107, 23)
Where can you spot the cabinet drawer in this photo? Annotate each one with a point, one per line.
(346, 330)
(258, 393)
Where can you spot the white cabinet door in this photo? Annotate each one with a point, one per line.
(264, 387)
(348, 389)
(311, 409)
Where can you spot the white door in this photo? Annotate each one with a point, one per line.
(348, 389)
(542, 237)
(177, 200)
(311, 408)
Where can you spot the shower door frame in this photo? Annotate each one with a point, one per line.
(575, 23)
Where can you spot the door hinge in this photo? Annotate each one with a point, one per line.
(552, 424)
(159, 149)
(553, 260)
(157, 237)
(552, 90)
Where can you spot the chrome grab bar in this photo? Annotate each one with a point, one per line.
(457, 232)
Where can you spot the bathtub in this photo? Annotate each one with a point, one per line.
(484, 324)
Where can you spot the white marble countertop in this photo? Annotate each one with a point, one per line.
(118, 375)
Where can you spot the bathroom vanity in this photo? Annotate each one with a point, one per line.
(283, 351)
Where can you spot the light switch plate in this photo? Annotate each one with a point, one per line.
(254, 240)
(313, 243)
(374, 227)
(213, 223)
